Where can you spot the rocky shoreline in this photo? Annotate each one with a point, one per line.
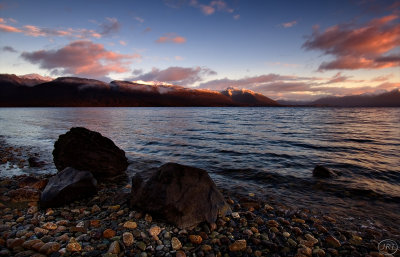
(105, 225)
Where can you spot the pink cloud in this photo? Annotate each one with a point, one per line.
(289, 24)
(176, 75)
(171, 38)
(122, 42)
(212, 7)
(82, 58)
(361, 47)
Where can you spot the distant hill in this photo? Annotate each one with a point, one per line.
(388, 99)
(72, 91)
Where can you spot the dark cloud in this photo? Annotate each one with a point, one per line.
(9, 49)
(111, 26)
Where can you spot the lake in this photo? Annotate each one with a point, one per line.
(270, 152)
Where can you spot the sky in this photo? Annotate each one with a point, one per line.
(292, 50)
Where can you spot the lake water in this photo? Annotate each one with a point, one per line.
(270, 152)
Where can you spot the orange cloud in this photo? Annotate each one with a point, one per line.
(361, 47)
(171, 38)
(7, 28)
(82, 58)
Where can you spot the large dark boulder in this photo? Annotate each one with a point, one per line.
(323, 172)
(182, 195)
(84, 149)
(67, 186)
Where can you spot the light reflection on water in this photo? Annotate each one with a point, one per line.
(241, 147)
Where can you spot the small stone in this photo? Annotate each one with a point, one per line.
(38, 230)
(49, 226)
(95, 223)
(235, 215)
(37, 246)
(154, 231)
(297, 231)
(13, 243)
(28, 244)
(176, 244)
(332, 241)
(328, 218)
(356, 240)
(319, 252)
(130, 225)
(273, 223)
(195, 239)
(301, 221)
(73, 246)
(32, 210)
(114, 207)
(258, 253)
(292, 242)
(238, 245)
(20, 219)
(286, 234)
(148, 218)
(114, 248)
(49, 212)
(142, 246)
(127, 238)
(321, 228)
(108, 233)
(206, 248)
(180, 254)
(304, 251)
(49, 248)
(95, 208)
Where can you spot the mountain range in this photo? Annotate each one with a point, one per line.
(33, 90)
(72, 91)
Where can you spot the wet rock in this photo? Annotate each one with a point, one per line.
(130, 225)
(238, 245)
(49, 248)
(180, 254)
(195, 239)
(127, 238)
(176, 244)
(67, 186)
(114, 248)
(13, 243)
(332, 241)
(323, 172)
(73, 246)
(183, 195)
(109, 233)
(84, 149)
(154, 231)
(34, 162)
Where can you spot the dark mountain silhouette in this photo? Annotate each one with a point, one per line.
(388, 99)
(72, 91)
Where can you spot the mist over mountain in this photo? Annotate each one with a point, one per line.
(73, 91)
(386, 99)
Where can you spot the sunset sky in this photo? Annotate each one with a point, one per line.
(295, 50)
